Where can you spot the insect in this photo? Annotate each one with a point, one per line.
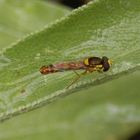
(89, 65)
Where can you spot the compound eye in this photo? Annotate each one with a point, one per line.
(106, 66)
(105, 63)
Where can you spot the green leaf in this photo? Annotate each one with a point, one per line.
(109, 28)
(18, 18)
(106, 112)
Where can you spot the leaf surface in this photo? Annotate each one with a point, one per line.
(108, 111)
(102, 28)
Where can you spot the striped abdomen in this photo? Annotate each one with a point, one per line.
(62, 67)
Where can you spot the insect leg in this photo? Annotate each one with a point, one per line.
(77, 78)
(76, 73)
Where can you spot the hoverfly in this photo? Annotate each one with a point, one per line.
(89, 65)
